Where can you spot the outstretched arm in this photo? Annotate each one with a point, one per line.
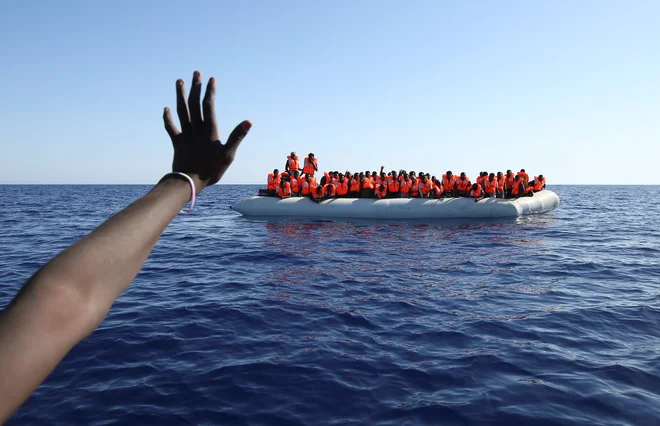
(69, 297)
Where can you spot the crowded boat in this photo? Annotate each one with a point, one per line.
(304, 180)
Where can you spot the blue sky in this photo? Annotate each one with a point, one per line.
(564, 88)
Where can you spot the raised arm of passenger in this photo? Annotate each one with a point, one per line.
(68, 298)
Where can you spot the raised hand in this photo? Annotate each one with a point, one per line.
(198, 151)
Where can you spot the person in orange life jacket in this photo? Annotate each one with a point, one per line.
(284, 190)
(538, 184)
(292, 163)
(425, 187)
(382, 179)
(342, 187)
(524, 176)
(490, 186)
(306, 186)
(448, 184)
(483, 176)
(393, 185)
(518, 188)
(476, 192)
(404, 186)
(508, 183)
(325, 179)
(463, 185)
(501, 185)
(381, 191)
(437, 190)
(273, 182)
(329, 190)
(318, 193)
(354, 186)
(414, 186)
(295, 184)
(367, 186)
(311, 165)
(335, 178)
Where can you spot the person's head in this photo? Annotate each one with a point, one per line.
(449, 173)
(522, 170)
(293, 154)
(423, 177)
(276, 172)
(541, 177)
(295, 174)
(462, 175)
(411, 173)
(311, 156)
(475, 186)
(367, 173)
(428, 176)
(382, 187)
(382, 175)
(335, 173)
(283, 183)
(499, 174)
(361, 174)
(319, 189)
(341, 177)
(437, 182)
(491, 176)
(508, 172)
(517, 177)
(393, 173)
(374, 173)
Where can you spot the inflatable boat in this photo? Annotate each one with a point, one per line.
(399, 208)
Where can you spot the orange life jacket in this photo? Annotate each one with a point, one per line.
(329, 190)
(273, 181)
(367, 183)
(284, 192)
(380, 193)
(508, 179)
(425, 188)
(438, 190)
(404, 186)
(305, 188)
(515, 190)
(309, 168)
(524, 176)
(342, 188)
(462, 184)
(393, 185)
(476, 193)
(295, 185)
(315, 195)
(414, 188)
(448, 184)
(292, 163)
(355, 185)
(500, 183)
(538, 184)
(490, 186)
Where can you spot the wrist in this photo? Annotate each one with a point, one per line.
(199, 183)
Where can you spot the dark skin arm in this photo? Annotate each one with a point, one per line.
(70, 296)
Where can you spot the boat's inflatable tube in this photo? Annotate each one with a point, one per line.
(399, 208)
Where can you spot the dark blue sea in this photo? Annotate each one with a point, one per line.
(546, 320)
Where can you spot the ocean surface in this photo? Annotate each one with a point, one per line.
(546, 320)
